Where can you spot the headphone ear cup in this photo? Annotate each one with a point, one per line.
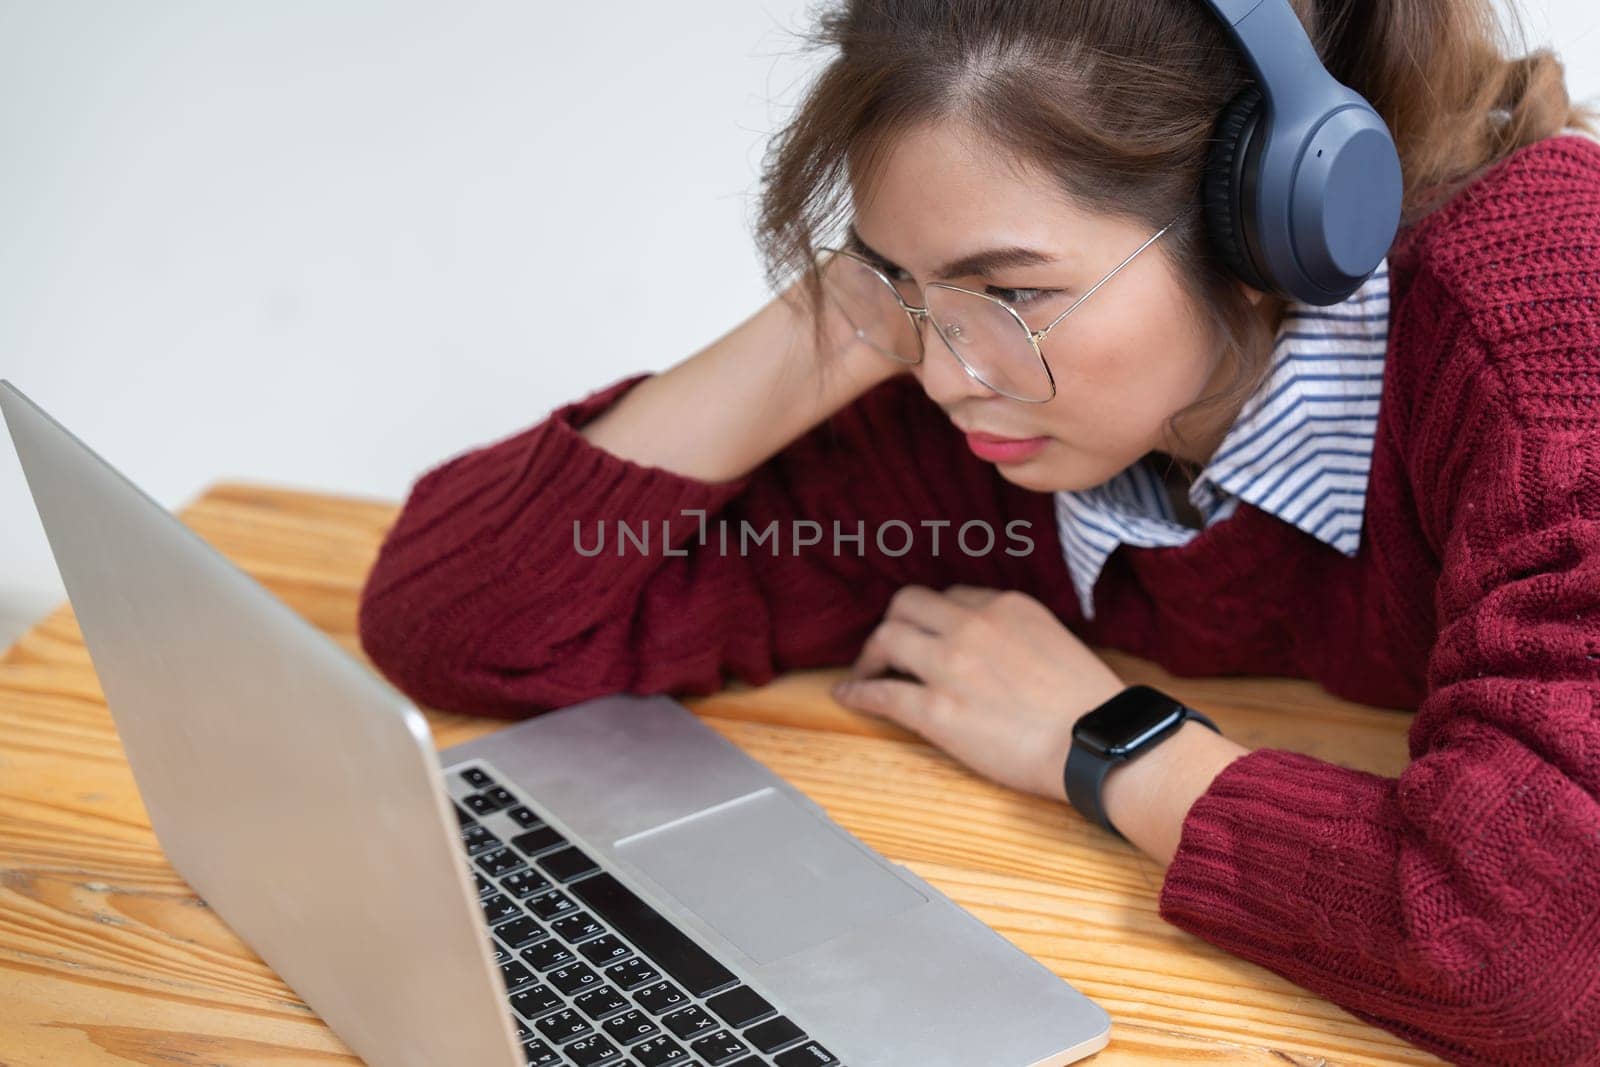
(1228, 187)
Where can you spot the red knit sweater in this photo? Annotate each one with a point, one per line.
(1457, 906)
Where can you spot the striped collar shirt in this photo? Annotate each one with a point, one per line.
(1300, 449)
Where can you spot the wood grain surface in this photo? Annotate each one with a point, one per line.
(108, 957)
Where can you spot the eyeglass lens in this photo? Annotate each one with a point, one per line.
(871, 309)
(985, 337)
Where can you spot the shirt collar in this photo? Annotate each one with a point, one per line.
(1300, 449)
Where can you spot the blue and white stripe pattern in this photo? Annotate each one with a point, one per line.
(1300, 449)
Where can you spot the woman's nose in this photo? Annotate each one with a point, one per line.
(944, 377)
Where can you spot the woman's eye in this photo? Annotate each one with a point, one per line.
(1019, 297)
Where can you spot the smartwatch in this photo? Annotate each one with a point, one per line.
(1129, 724)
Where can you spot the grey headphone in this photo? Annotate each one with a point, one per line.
(1302, 192)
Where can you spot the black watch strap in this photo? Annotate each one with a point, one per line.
(1085, 771)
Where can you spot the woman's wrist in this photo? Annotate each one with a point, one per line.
(1148, 798)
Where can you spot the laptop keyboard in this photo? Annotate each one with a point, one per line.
(595, 976)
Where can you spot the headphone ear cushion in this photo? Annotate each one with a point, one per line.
(1228, 186)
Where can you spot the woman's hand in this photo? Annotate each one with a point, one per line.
(999, 681)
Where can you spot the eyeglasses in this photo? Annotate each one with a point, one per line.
(986, 334)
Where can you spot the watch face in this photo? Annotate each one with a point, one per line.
(1128, 721)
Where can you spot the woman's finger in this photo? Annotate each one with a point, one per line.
(970, 596)
(896, 643)
(904, 703)
(924, 607)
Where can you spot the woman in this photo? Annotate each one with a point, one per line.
(1413, 521)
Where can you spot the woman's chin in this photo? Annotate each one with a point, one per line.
(1050, 472)
(1037, 473)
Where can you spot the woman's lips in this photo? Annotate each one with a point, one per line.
(997, 449)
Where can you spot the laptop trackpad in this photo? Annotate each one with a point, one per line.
(768, 875)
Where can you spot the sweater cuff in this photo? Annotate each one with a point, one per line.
(567, 481)
(554, 468)
(646, 491)
(515, 501)
(1271, 847)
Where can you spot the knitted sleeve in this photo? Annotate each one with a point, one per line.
(494, 594)
(1457, 906)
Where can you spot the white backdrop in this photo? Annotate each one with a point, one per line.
(329, 245)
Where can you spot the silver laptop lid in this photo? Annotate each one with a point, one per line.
(297, 792)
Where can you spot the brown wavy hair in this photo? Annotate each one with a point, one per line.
(1118, 100)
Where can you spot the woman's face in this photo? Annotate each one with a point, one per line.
(1125, 361)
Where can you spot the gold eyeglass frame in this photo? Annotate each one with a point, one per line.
(917, 314)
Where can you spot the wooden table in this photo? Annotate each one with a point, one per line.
(108, 957)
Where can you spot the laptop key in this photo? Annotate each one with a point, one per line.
(740, 1006)
(719, 1048)
(476, 779)
(501, 953)
(463, 816)
(535, 1001)
(480, 804)
(540, 1054)
(659, 1051)
(667, 947)
(632, 1025)
(520, 933)
(689, 1022)
(563, 1025)
(500, 796)
(573, 978)
(523, 1032)
(499, 908)
(548, 954)
(524, 817)
(551, 905)
(485, 887)
(773, 1034)
(592, 1050)
(515, 974)
(567, 864)
(498, 862)
(604, 949)
(524, 883)
(599, 1002)
(577, 926)
(489, 800)
(479, 840)
(632, 973)
(663, 996)
(540, 839)
(809, 1054)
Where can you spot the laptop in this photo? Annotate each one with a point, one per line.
(610, 883)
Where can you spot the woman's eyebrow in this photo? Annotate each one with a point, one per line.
(986, 262)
